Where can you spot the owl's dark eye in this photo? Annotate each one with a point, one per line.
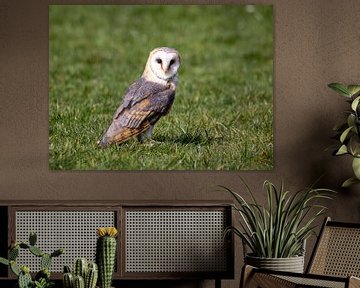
(172, 61)
(158, 60)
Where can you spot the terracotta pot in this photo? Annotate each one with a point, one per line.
(291, 264)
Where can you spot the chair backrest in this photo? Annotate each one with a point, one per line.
(337, 251)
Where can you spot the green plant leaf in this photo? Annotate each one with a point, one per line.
(356, 167)
(351, 119)
(354, 145)
(355, 103)
(340, 88)
(349, 182)
(345, 134)
(353, 89)
(342, 150)
(4, 261)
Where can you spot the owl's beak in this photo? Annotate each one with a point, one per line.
(166, 69)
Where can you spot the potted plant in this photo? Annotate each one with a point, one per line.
(42, 278)
(349, 132)
(106, 254)
(276, 233)
(84, 274)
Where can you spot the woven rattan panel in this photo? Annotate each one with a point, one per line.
(338, 253)
(75, 231)
(175, 241)
(311, 282)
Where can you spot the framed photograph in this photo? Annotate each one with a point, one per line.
(160, 87)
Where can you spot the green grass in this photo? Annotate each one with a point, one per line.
(222, 116)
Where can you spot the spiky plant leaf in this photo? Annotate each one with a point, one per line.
(280, 228)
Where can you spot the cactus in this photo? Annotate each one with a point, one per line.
(44, 273)
(79, 282)
(14, 268)
(36, 251)
(91, 276)
(105, 254)
(87, 272)
(4, 261)
(24, 245)
(24, 278)
(57, 252)
(68, 280)
(80, 267)
(45, 261)
(13, 253)
(32, 238)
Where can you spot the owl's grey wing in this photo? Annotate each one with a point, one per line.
(138, 91)
(139, 114)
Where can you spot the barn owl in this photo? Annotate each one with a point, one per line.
(146, 100)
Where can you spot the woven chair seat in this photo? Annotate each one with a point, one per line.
(314, 282)
(335, 262)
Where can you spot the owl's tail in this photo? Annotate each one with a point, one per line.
(119, 136)
(104, 142)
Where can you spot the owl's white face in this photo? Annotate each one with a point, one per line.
(164, 62)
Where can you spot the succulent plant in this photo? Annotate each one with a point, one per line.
(85, 275)
(79, 282)
(42, 278)
(81, 266)
(68, 278)
(91, 276)
(106, 254)
(25, 279)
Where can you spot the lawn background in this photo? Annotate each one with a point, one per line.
(222, 117)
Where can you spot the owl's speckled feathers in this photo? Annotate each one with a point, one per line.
(146, 100)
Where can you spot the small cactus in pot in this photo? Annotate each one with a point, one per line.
(85, 275)
(106, 254)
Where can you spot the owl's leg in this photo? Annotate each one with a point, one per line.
(146, 136)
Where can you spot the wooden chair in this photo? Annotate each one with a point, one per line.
(334, 263)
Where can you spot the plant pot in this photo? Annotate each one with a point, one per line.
(291, 264)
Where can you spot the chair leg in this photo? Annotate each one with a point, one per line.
(246, 273)
(217, 283)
